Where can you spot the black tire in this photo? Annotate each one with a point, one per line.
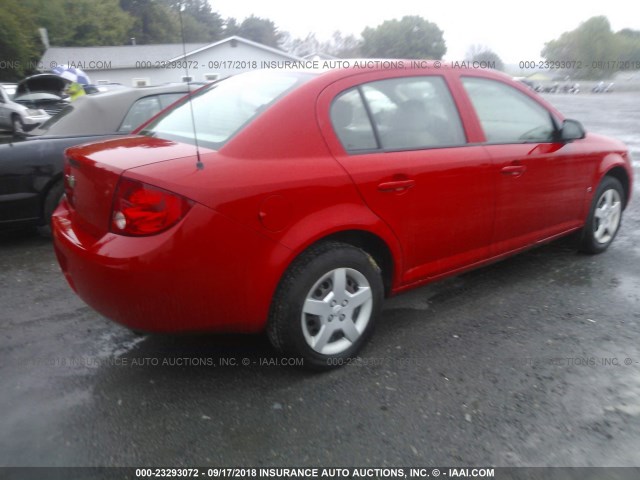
(17, 127)
(342, 329)
(50, 203)
(605, 216)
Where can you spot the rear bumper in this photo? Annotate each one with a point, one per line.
(205, 274)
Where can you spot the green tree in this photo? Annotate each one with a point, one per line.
(194, 31)
(410, 37)
(260, 30)
(99, 23)
(301, 46)
(200, 22)
(91, 23)
(154, 22)
(53, 16)
(80, 22)
(590, 43)
(342, 46)
(19, 41)
(201, 11)
(339, 46)
(231, 27)
(629, 47)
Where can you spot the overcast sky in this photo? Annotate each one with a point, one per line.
(515, 30)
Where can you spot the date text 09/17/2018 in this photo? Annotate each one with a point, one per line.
(611, 65)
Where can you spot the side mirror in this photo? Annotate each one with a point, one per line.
(571, 130)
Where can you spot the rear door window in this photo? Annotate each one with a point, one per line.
(410, 113)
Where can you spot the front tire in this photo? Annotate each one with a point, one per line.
(51, 202)
(604, 218)
(17, 127)
(326, 305)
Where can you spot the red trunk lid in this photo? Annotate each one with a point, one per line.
(92, 172)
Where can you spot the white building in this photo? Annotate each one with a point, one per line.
(139, 65)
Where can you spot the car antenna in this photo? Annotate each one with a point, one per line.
(199, 163)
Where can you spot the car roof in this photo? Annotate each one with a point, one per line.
(102, 113)
(408, 66)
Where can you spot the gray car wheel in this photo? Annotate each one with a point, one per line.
(326, 304)
(17, 127)
(51, 202)
(605, 216)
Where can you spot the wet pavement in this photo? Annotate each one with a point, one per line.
(534, 361)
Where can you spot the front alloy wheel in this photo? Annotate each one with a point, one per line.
(605, 216)
(326, 305)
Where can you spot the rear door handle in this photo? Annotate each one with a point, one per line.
(515, 170)
(396, 185)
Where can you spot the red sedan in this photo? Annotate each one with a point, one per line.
(294, 202)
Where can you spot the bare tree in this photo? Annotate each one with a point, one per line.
(482, 53)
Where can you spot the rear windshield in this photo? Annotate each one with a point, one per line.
(216, 113)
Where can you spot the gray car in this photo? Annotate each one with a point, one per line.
(31, 165)
(15, 116)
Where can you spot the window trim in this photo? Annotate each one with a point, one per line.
(374, 127)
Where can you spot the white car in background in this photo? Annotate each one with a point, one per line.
(15, 116)
(26, 105)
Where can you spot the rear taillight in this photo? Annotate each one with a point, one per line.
(140, 209)
(69, 182)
